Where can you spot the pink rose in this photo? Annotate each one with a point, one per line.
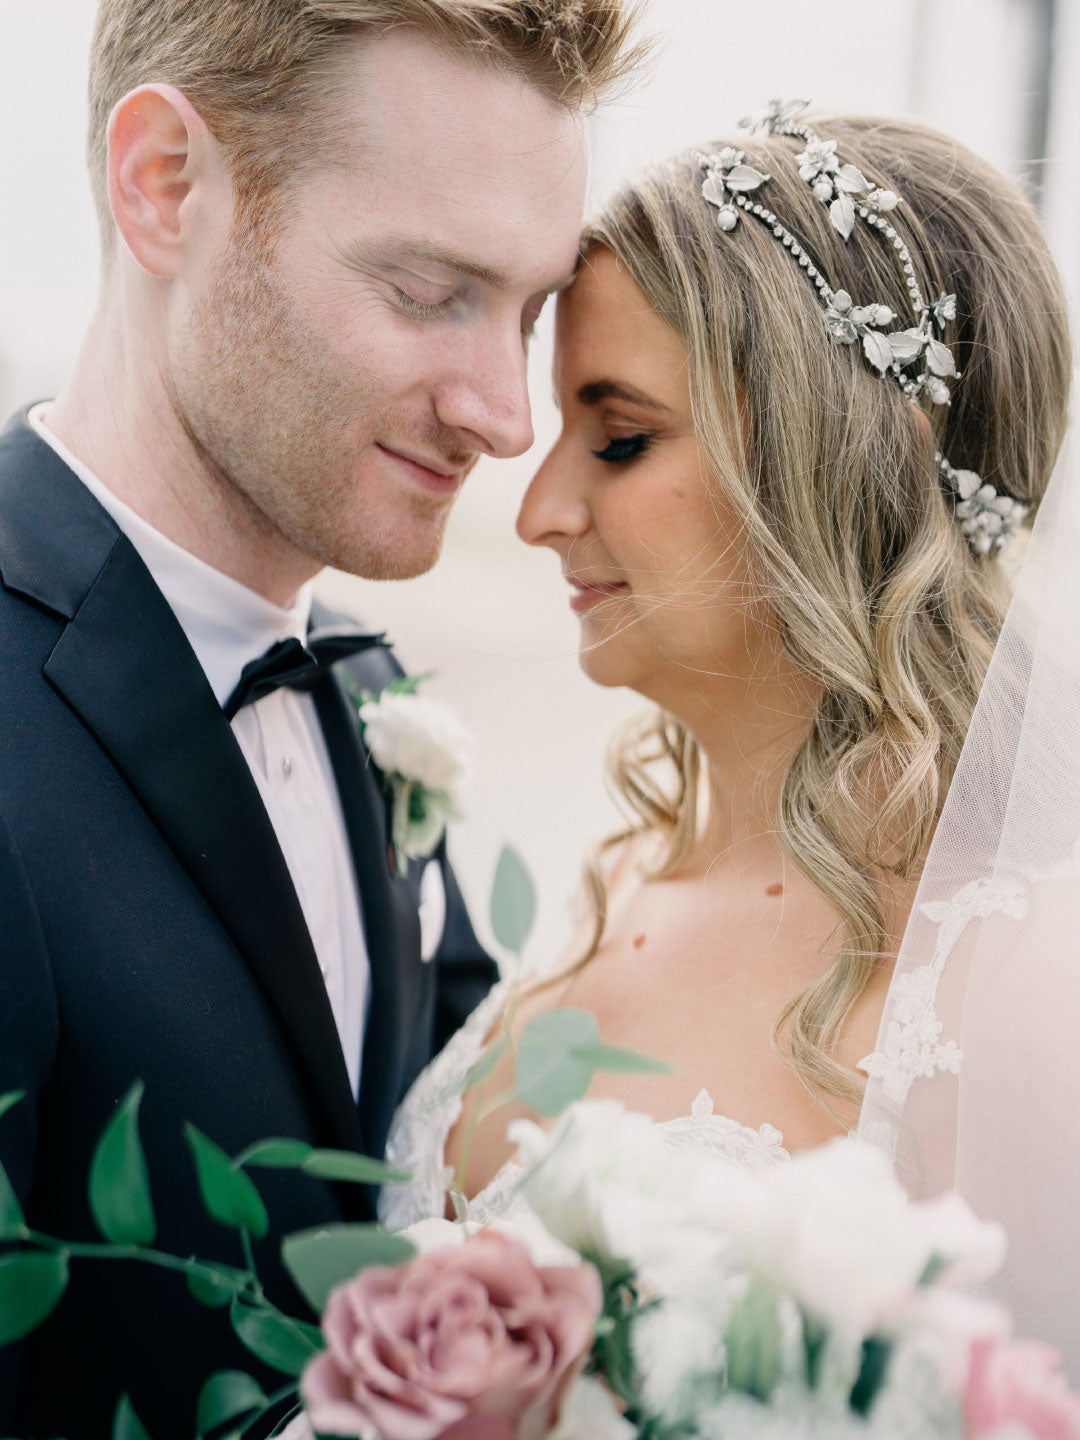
(1020, 1383)
(471, 1342)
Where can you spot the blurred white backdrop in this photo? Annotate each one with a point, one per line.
(492, 619)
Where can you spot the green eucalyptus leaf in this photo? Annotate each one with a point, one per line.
(215, 1285)
(119, 1182)
(486, 1064)
(227, 1192)
(614, 1059)
(322, 1258)
(278, 1341)
(754, 1342)
(12, 1220)
(275, 1155)
(11, 1099)
(815, 1338)
(347, 1165)
(513, 901)
(126, 1424)
(31, 1284)
(227, 1395)
(873, 1372)
(549, 1075)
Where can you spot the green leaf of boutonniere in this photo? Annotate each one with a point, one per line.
(227, 1192)
(320, 1259)
(119, 1182)
(31, 1284)
(513, 901)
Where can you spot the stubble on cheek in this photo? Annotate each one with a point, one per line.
(283, 425)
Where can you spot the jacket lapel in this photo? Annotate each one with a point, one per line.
(125, 667)
(389, 903)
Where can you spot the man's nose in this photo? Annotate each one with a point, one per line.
(487, 397)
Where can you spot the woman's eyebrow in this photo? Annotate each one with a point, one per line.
(599, 390)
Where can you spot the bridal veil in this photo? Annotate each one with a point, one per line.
(975, 1084)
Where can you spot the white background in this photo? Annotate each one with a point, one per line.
(492, 618)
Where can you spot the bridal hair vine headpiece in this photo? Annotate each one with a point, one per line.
(986, 517)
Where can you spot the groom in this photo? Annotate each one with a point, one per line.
(328, 229)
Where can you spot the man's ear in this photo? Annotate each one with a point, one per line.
(160, 151)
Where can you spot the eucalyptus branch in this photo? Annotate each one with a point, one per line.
(249, 1257)
(200, 1270)
(478, 1111)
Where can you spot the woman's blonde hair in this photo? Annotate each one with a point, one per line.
(851, 538)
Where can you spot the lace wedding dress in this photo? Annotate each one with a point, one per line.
(417, 1143)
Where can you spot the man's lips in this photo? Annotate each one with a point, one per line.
(587, 593)
(435, 476)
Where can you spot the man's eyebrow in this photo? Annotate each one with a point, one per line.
(451, 259)
(599, 390)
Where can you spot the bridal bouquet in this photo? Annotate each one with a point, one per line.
(634, 1291)
(661, 1294)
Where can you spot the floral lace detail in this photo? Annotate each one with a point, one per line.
(424, 1119)
(913, 1047)
(702, 1129)
(417, 1142)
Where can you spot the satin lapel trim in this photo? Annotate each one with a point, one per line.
(390, 908)
(125, 667)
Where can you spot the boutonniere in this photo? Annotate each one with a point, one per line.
(422, 753)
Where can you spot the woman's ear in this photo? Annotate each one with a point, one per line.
(160, 150)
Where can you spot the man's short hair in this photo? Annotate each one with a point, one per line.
(258, 71)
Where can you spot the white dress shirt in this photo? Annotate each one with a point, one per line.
(228, 625)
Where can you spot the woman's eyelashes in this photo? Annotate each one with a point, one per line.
(624, 447)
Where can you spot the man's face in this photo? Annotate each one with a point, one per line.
(343, 378)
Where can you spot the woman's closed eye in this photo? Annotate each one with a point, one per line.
(623, 448)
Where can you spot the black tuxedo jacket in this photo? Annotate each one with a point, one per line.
(149, 929)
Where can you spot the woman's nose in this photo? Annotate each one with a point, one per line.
(554, 508)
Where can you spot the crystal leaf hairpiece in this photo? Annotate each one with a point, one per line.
(986, 517)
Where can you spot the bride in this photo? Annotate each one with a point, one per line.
(810, 385)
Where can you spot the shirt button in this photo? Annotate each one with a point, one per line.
(325, 971)
(286, 766)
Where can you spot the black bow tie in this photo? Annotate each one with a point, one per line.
(289, 662)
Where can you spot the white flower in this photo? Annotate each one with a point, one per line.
(606, 1183)
(589, 1412)
(434, 1234)
(419, 739)
(422, 750)
(526, 1228)
(675, 1346)
(835, 1230)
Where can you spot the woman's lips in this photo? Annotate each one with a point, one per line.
(436, 482)
(587, 593)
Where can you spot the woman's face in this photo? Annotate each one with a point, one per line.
(657, 573)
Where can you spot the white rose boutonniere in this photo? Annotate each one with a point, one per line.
(422, 751)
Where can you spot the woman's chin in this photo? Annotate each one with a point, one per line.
(603, 665)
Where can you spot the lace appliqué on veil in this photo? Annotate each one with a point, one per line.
(417, 1142)
(913, 1047)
